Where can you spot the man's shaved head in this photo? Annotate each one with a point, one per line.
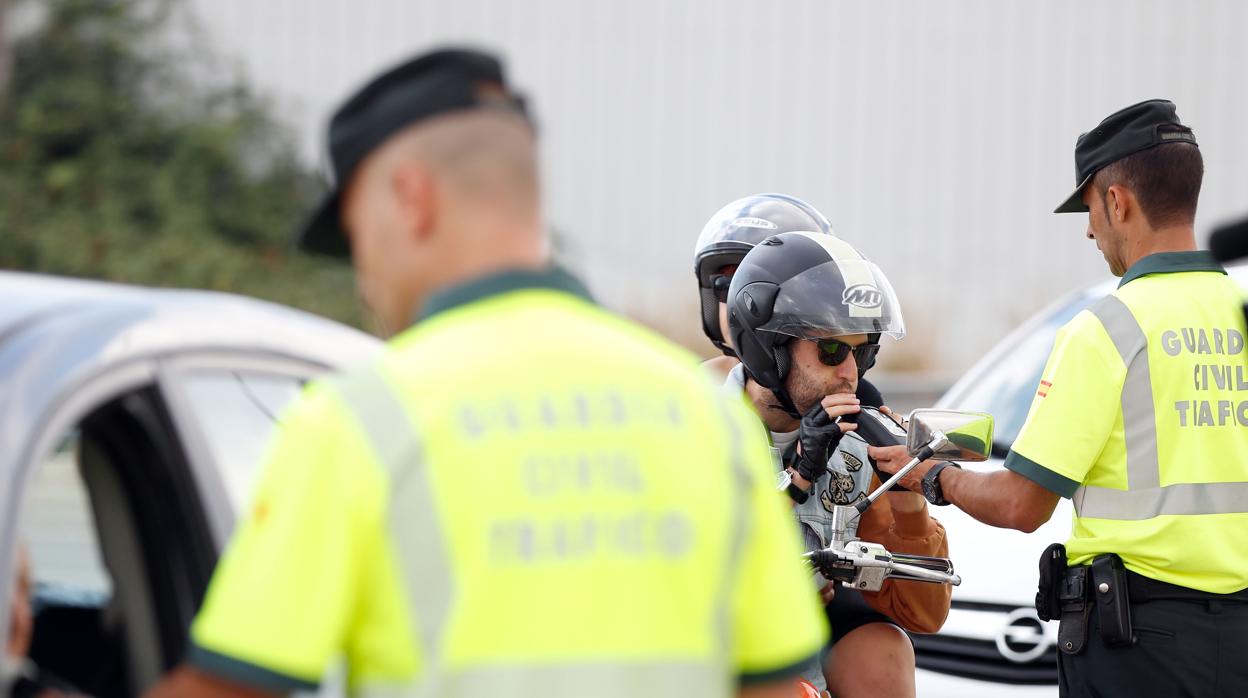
(487, 155)
(450, 197)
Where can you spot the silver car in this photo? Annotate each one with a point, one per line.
(131, 422)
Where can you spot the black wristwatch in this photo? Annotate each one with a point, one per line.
(931, 484)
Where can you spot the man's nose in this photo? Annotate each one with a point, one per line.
(847, 368)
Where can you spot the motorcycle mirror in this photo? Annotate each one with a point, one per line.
(969, 434)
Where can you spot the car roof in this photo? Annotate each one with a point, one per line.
(130, 320)
(58, 334)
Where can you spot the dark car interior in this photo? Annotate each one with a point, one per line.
(155, 547)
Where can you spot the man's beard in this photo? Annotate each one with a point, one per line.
(805, 392)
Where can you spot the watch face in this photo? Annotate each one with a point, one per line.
(930, 485)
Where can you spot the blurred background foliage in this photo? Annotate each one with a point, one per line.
(125, 156)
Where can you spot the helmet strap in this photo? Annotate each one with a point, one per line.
(873, 338)
(786, 403)
(782, 396)
(784, 363)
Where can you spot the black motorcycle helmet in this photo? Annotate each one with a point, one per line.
(804, 285)
(732, 232)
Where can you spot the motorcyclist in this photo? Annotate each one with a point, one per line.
(805, 315)
(724, 241)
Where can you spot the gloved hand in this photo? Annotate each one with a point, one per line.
(819, 436)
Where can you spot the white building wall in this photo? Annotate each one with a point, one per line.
(935, 135)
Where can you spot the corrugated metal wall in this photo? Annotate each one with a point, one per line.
(935, 135)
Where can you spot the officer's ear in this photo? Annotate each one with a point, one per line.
(415, 193)
(1119, 204)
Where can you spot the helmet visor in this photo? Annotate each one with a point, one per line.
(849, 296)
(743, 229)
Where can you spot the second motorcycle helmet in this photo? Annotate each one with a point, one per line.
(732, 232)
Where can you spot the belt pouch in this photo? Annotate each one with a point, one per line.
(1113, 602)
(1072, 634)
(1052, 569)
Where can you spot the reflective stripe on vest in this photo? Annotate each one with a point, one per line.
(1144, 497)
(582, 680)
(740, 524)
(397, 445)
(427, 571)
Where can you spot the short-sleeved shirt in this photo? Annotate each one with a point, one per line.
(1141, 417)
(556, 514)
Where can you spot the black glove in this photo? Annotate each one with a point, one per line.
(819, 437)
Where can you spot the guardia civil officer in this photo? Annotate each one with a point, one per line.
(499, 506)
(1141, 417)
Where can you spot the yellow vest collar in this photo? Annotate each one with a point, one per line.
(1171, 262)
(502, 282)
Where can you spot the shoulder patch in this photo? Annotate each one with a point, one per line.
(837, 491)
(825, 498)
(852, 463)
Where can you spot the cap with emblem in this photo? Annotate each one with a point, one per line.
(1125, 132)
(426, 86)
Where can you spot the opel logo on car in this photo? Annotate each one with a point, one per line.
(1023, 638)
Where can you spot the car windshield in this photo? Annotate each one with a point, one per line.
(1006, 387)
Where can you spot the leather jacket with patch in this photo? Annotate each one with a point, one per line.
(916, 606)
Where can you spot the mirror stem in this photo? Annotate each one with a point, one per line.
(939, 440)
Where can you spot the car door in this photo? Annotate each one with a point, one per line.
(134, 483)
(101, 497)
(227, 406)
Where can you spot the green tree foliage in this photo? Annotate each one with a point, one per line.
(120, 159)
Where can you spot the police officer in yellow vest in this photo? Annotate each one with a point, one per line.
(526, 495)
(1141, 417)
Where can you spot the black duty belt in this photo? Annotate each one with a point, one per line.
(1143, 589)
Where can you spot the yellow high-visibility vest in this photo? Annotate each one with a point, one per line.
(526, 496)
(1142, 419)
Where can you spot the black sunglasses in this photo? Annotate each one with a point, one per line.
(720, 283)
(833, 352)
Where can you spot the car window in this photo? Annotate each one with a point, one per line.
(66, 622)
(59, 530)
(238, 411)
(1006, 388)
